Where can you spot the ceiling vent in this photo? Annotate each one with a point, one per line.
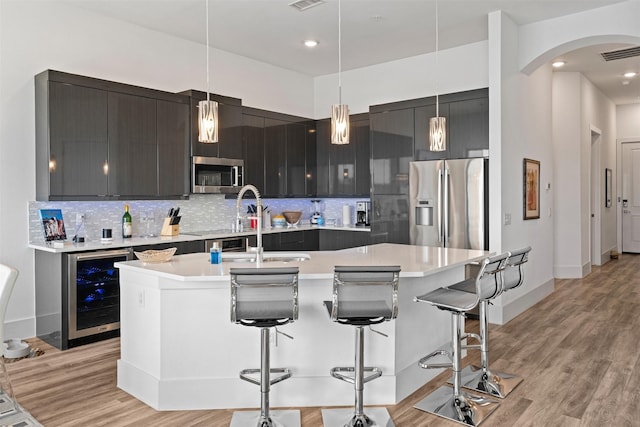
(303, 5)
(613, 55)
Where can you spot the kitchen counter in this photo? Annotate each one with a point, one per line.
(179, 349)
(185, 236)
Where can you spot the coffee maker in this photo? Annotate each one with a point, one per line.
(363, 214)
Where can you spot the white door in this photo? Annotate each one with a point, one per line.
(631, 197)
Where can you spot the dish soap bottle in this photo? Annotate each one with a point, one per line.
(127, 225)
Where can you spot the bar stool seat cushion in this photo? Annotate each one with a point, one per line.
(450, 299)
(468, 286)
(264, 313)
(360, 313)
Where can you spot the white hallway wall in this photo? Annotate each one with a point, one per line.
(578, 106)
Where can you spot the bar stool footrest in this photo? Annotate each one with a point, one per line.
(493, 383)
(424, 365)
(465, 408)
(339, 373)
(245, 375)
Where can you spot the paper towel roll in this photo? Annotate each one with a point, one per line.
(346, 215)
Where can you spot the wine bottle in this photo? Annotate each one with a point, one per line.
(127, 225)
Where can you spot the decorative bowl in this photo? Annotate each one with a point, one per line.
(154, 256)
(15, 348)
(292, 217)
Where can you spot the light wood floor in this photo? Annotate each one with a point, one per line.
(578, 351)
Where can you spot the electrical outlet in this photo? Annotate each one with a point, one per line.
(507, 219)
(141, 298)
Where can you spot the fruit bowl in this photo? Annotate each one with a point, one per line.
(292, 217)
(153, 256)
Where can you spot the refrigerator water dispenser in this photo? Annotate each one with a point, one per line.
(424, 212)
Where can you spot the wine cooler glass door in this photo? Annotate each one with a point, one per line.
(94, 292)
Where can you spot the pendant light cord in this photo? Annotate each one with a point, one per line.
(207, 27)
(436, 79)
(339, 52)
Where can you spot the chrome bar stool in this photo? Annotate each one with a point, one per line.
(264, 298)
(448, 402)
(481, 378)
(362, 296)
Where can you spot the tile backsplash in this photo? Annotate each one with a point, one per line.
(200, 213)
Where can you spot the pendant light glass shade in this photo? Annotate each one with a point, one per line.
(208, 121)
(437, 134)
(339, 124)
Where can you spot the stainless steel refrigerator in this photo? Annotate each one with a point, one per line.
(449, 203)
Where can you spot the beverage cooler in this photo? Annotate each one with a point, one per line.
(93, 292)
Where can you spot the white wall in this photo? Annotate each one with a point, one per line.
(566, 135)
(40, 35)
(525, 132)
(459, 69)
(628, 121)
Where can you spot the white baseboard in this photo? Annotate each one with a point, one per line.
(22, 328)
(571, 271)
(501, 314)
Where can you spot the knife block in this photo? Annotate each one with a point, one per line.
(168, 229)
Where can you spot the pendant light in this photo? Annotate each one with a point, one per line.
(207, 110)
(437, 124)
(340, 111)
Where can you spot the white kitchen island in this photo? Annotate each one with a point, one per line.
(179, 349)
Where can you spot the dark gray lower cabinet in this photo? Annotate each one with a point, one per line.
(182, 247)
(338, 239)
(303, 240)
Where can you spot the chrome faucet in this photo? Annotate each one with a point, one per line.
(255, 191)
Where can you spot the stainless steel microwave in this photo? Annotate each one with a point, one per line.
(216, 175)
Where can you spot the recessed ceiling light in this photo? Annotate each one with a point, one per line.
(630, 74)
(558, 64)
(310, 43)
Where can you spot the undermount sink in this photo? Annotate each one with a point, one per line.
(266, 256)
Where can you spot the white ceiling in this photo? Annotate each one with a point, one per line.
(373, 31)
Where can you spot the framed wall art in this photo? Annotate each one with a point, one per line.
(531, 188)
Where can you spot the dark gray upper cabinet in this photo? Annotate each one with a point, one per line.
(296, 169)
(469, 128)
(97, 139)
(275, 157)
(467, 115)
(229, 145)
(343, 170)
(311, 163)
(73, 119)
(173, 147)
(323, 145)
(133, 155)
(391, 150)
(253, 137)
(279, 153)
(360, 138)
